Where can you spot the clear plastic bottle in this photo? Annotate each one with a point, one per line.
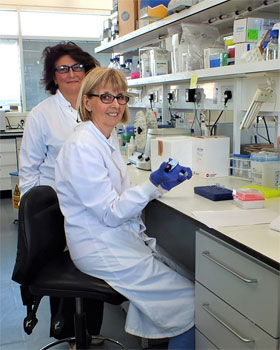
(135, 71)
(116, 61)
(272, 46)
(264, 46)
(111, 64)
(128, 64)
(124, 70)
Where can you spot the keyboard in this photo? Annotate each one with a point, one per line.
(214, 192)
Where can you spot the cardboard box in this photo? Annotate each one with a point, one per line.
(153, 9)
(210, 155)
(127, 10)
(207, 156)
(242, 48)
(250, 29)
(177, 147)
(159, 60)
(153, 61)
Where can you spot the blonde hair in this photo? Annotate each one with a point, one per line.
(98, 78)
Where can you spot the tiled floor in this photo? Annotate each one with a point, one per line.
(12, 312)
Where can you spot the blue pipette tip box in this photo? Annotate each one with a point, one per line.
(214, 192)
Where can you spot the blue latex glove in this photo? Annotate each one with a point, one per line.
(168, 180)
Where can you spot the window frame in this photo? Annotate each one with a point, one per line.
(19, 37)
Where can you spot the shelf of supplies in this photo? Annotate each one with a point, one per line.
(269, 68)
(220, 13)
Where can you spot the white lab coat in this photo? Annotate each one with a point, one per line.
(47, 127)
(106, 239)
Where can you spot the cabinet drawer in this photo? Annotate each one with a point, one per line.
(5, 183)
(7, 145)
(202, 343)
(8, 158)
(226, 327)
(6, 170)
(241, 281)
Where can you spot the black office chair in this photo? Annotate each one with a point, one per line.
(44, 268)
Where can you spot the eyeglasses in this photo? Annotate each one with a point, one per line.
(77, 67)
(108, 98)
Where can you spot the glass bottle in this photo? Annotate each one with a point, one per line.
(272, 46)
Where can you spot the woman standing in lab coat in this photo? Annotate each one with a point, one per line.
(46, 128)
(104, 230)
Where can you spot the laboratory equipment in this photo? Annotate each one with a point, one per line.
(142, 160)
(248, 198)
(214, 192)
(265, 167)
(272, 46)
(240, 166)
(171, 164)
(261, 96)
(177, 146)
(210, 156)
(2, 120)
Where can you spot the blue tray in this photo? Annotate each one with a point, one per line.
(215, 193)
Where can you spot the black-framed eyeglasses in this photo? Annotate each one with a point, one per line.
(108, 98)
(77, 67)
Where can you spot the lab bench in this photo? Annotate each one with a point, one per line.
(235, 268)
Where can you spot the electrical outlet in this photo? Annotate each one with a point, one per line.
(155, 95)
(175, 95)
(226, 89)
(194, 95)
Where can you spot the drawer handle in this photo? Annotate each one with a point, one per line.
(207, 309)
(238, 275)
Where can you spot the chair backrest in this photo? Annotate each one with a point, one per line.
(41, 233)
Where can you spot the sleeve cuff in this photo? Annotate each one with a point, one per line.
(151, 190)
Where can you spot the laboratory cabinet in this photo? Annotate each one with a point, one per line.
(202, 343)
(237, 297)
(8, 162)
(9, 150)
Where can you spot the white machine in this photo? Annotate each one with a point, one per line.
(2, 120)
(142, 160)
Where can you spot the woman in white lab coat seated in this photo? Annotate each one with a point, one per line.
(104, 230)
(47, 126)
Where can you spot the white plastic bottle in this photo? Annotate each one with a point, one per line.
(116, 61)
(272, 46)
(204, 129)
(130, 147)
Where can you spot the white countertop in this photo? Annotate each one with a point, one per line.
(182, 198)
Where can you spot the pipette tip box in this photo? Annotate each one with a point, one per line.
(214, 192)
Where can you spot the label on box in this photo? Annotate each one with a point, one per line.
(252, 34)
(16, 197)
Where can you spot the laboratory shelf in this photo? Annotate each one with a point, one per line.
(220, 13)
(264, 68)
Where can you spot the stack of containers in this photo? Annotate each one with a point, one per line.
(247, 33)
(248, 198)
(265, 167)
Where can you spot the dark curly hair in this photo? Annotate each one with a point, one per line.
(52, 53)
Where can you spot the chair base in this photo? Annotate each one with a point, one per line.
(73, 339)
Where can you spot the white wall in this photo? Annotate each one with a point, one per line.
(95, 6)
